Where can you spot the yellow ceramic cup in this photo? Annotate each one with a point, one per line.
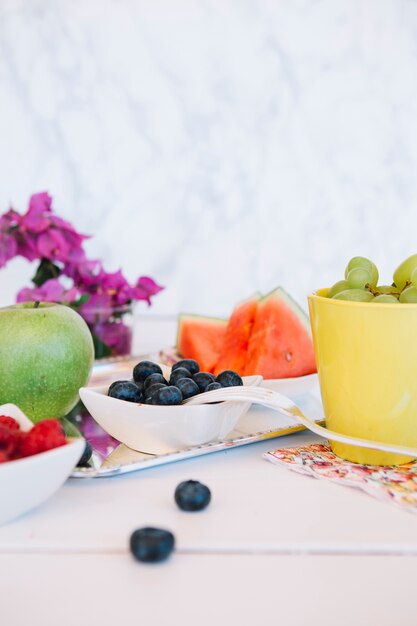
(366, 357)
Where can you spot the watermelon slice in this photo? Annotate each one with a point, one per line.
(201, 338)
(280, 345)
(236, 340)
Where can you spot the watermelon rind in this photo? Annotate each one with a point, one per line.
(200, 337)
(271, 344)
(279, 292)
(203, 318)
(233, 353)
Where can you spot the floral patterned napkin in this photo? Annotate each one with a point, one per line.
(394, 484)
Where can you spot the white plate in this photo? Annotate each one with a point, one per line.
(26, 483)
(298, 384)
(117, 368)
(258, 424)
(291, 386)
(163, 429)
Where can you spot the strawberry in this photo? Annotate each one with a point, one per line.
(9, 440)
(44, 435)
(10, 422)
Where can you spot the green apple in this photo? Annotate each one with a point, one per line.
(46, 355)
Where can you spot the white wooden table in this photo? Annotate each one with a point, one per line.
(273, 546)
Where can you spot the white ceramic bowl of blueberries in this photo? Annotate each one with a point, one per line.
(146, 413)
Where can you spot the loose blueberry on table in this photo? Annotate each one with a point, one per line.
(151, 545)
(186, 380)
(86, 455)
(191, 495)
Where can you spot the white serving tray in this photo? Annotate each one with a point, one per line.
(256, 425)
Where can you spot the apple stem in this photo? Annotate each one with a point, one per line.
(37, 303)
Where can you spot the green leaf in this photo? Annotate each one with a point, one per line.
(46, 270)
(70, 428)
(100, 348)
(81, 300)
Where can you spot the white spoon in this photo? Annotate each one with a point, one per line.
(278, 402)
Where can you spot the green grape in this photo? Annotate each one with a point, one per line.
(403, 272)
(386, 297)
(409, 295)
(375, 275)
(366, 264)
(358, 261)
(413, 277)
(390, 289)
(341, 285)
(357, 295)
(358, 277)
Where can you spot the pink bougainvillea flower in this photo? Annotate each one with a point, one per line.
(74, 243)
(9, 223)
(145, 288)
(53, 237)
(27, 294)
(99, 296)
(39, 202)
(112, 280)
(8, 248)
(37, 218)
(73, 238)
(51, 291)
(62, 224)
(116, 335)
(84, 274)
(116, 286)
(98, 308)
(26, 246)
(70, 296)
(52, 245)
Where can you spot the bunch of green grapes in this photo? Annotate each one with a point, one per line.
(361, 283)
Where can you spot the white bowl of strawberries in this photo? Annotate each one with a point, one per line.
(35, 460)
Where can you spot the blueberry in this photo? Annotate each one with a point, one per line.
(213, 386)
(86, 455)
(167, 395)
(179, 373)
(126, 390)
(191, 495)
(188, 387)
(150, 392)
(116, 382)
(152, 379)
(151, 545)
(189, 364)
(203, 379)
(144, 369)
(229, 378)
(139, 383)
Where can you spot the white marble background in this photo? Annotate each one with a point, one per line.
(220, 146)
